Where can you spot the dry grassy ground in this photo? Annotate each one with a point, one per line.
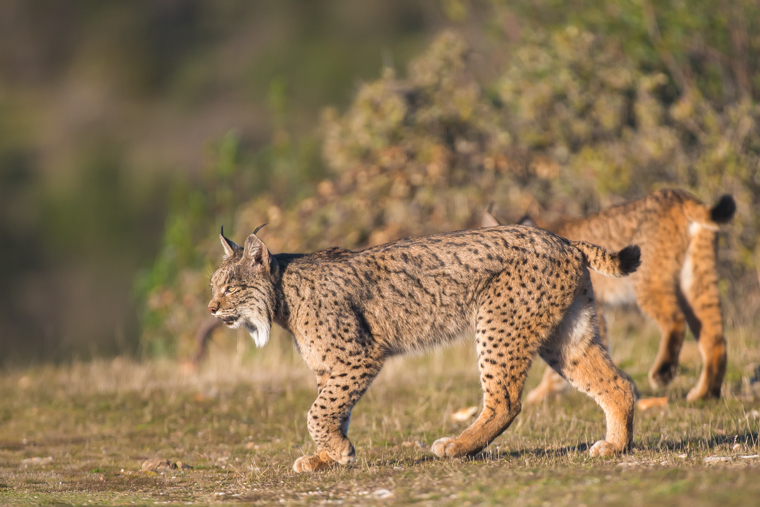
(240, 423)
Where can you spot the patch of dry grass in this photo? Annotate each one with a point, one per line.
(240, 422)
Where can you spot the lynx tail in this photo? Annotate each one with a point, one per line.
(618, 264)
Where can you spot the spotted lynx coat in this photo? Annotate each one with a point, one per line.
(522, 290)
(676, 285)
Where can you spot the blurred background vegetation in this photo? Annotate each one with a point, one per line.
(129, 132)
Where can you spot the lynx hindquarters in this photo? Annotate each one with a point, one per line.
(574, 349)
(523, 290)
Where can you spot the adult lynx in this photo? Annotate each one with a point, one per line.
(521, 289)
(676, 285)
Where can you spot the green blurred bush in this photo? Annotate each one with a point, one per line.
(570, 121)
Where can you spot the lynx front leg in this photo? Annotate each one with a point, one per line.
(320, 460)
(330, 414)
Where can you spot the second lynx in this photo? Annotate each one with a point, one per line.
(677, 284)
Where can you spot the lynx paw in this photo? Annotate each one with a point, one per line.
(345, 457)
(699, 392)
(603, 448)
(661, 377)
(446, 448)
(310, 464)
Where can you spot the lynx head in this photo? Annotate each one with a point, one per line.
(242, 291)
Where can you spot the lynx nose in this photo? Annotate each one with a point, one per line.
(213, 306)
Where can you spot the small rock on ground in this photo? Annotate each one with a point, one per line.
(716, 459)
(382, 493)
(37, 461)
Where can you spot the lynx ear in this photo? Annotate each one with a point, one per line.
(527, 220)
(488, 220)
(256, 252)
(230, 247)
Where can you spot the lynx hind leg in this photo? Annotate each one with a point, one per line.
(507, 337)
(576, 351)
(552, 383)
(605, 337)
(699, 282)
(659, 300)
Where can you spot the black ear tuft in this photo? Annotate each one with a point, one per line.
(724, 210)
(630, 259)
(527, 220)
(230, 247)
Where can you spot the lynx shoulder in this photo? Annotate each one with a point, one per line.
(677, 283)
(522, 291)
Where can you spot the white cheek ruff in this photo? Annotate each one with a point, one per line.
(259, 329)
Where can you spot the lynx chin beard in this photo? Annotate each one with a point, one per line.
(258, 328)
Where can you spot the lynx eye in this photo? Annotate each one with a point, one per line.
(230, 290)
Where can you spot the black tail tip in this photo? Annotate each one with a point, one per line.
(630, 259)
(724, 210)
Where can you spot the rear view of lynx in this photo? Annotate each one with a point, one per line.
(676, 285)
(521, 289)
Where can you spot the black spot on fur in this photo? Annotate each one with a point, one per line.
(724, 210)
